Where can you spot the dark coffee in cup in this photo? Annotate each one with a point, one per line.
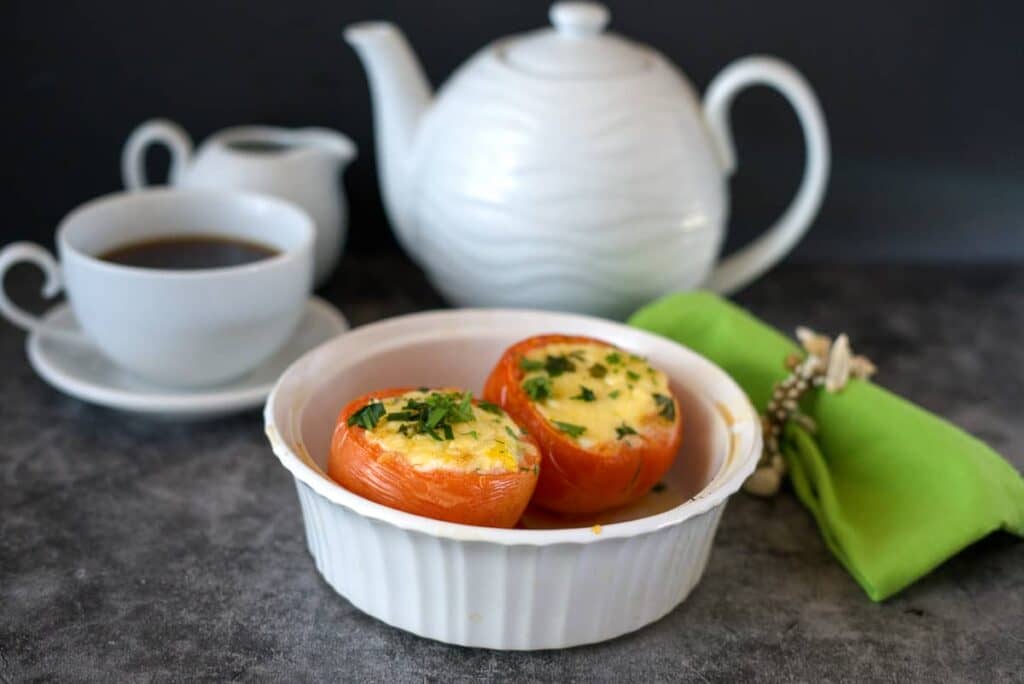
(188, 253)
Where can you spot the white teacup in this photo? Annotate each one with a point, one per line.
(183, 328)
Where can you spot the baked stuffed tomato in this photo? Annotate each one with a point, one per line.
(607, 424)
(435, 453)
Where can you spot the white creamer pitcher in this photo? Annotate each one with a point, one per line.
(300, 165)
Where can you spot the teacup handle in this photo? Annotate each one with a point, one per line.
(33, 253)
(133, 156)
(749, 262)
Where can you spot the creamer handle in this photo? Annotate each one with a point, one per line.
(133, 156)
(27, 251)
(749, 262)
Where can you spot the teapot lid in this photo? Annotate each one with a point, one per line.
(576, 46)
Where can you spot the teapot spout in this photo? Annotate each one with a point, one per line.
(400, 93)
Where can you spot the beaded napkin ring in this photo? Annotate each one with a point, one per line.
(828, 364)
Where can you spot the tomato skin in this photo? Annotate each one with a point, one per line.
(366, 469)
(574, 479)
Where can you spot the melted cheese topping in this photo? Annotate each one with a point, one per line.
(487, 444)
(623, 395)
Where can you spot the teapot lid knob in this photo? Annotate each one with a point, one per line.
(576, 47)
(579, 19)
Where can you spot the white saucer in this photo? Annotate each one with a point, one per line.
(82, 372)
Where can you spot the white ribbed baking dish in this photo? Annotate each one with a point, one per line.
(520, 588)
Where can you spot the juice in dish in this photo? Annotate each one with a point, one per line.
(606, 421)
(435, 453)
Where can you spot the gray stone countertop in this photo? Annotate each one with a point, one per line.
(136, 549)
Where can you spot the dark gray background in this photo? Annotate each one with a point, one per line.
(923, 98)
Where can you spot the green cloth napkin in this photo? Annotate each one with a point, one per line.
(895, 489)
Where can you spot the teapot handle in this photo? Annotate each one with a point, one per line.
(749, 262)
(133, 156)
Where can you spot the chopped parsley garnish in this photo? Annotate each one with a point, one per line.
(552, 365)
(624, 430)
(435, 416)
(632, 375)
(556, 365)
(537, 388)
(510, 433)
(472, 433)
(615, 358)
(666, 406)
(569, 428)
(535, 469)
(637, 357)
(436, 411)
(614, 394)
(484, 405)
(529, 366)
(578, 355)
(368, 416)
(586, 394)
(598, 371)
(463, 413)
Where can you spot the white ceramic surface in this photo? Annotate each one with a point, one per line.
(532, 588)
(570, 168)
(299, 165)
(80, 371)
(176, 328)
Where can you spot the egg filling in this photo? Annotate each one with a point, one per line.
(443, 429)
(595, 393)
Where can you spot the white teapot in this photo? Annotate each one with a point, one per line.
(299, 165)
(570, 168)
